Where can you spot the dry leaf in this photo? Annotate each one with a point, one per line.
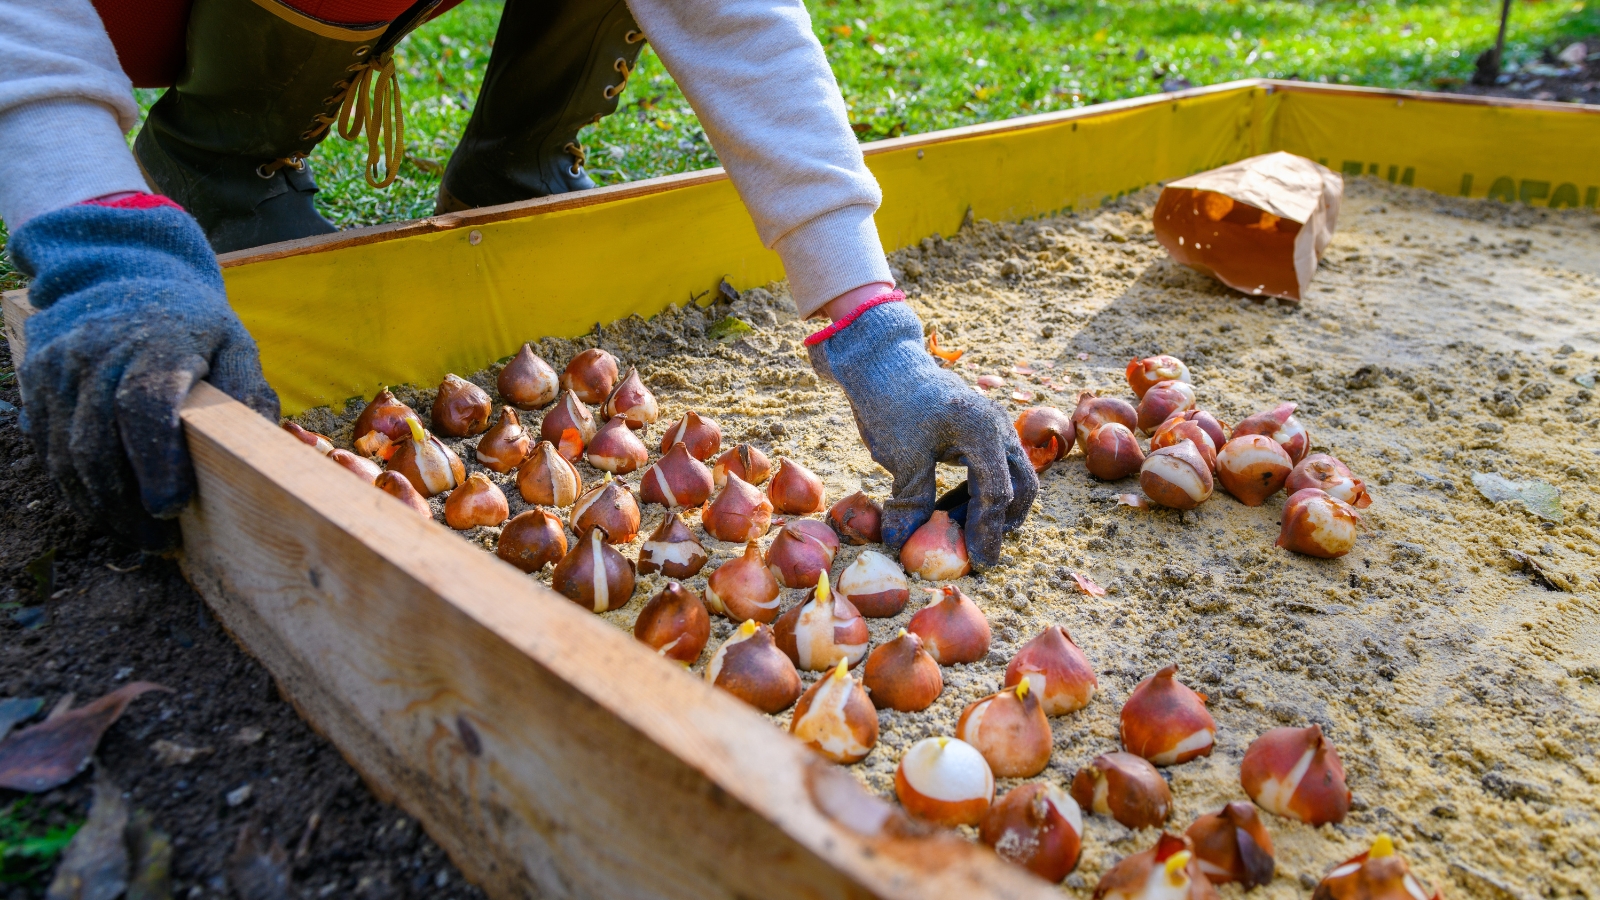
(95, 864)
(53, 752)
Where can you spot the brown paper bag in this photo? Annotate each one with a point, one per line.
(1258, 225)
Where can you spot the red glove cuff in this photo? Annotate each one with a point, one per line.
(134, 201)
(843, 322)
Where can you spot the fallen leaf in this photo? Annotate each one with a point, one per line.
(1088, 585)
(728, 329)
(1538, 497)
(95, 864)
(53, 752)
(150, 850)
(259, 867)
(16, 710)
(1135, 500)
(990, 382)
(171, 753)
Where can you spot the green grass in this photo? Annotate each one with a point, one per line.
(29, 846)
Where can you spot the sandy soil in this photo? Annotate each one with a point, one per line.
(1441, 339)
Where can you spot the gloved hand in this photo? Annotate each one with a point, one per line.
(131, 314)
(913, 414)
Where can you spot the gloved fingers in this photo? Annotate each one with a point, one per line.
(148, 399)
(1024, 483)
(988, 474)
(916, 486)
(236, 371)
(49, 395)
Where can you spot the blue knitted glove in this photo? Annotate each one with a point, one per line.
(913, 415)
(131, 314)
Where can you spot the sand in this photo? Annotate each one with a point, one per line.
(1453, 657)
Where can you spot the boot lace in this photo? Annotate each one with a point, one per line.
(369, 100)
(579, 157)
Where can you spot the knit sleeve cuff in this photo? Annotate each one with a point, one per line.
(832, 254)
(61, 152)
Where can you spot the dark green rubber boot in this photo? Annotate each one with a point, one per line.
(556, 67)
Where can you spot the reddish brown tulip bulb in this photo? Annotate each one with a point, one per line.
(750, 666)
(745, 461)
(532, 540)
(743, 588)
(1166, 722)
(937, 551)
(952, 627)
(1252, 467)
(1377, 874)
(1111, 452)
(1056, 670)
(1178, 476)
(900, 675)
(591, 375)
(1296, 773)
(1233, 845)
(616, 449)
(364, 469)
(546, 478)
(386, 415)
(801, 553)
(461, 408)
(568, 415)
(1162, 401)
(399, 487)
(1010, 729)
(376, 445)
(945, 781)
(317, 442)
(528, 382)
(593, 575)
(1318, 525)
(738, 513)
(632, 402)
(820, 632)
(672, 550)
(1038, 827)
(1144, 374)
(794, 489)
(674, 624)
(875, 584)
(1047, 434)
(430, 466)
(1332, 477)
(1177, 429)
(702, 436)
(835, 718)
(676, 480)
(611, 506)
(504, 446)
(1216, 429)
(1092, 412)
(858, 519)
(477, 502)
(1126, 788)
(1280, 425)
(1167, 871)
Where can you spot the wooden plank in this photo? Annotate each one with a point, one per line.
(16, 309)
(548, 752)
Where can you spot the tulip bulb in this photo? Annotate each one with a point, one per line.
(1318, 525)
(738, 513)
(546, 478)
(676, 480)
(386, 415)
(835, 718)
(506, 445)
(532, 540)
(937, 551)
(945, 781)
(674, 624)
(858, 519)
(1055, 670)
(1177, 476)
(460, 408)
(745, 461)
(672, 550)
(1038, 827)
(610, 505)
(631, 401)
(1167, 871)
(399, 487)
(477, 502)
(1379, 873)
(568, 414)
(376, 445)
(795, 490)
(875, 584)
(1162, 401)
(1093, 411)
(822, 631)
(317, 442)
(528, 382)
(593, 575)
(743, 588)
(1111, 452)
(900, 675)
(702, 436)
(1252, 467)
(1215, 429)
(1126, 788)
(1177, 430)
(616, 449)
(1233, 845)
(1296, 773)
(1046, 433)
(952, 627)
(1280, 425)
(1144, 374)
(801, 553)
(1332, 477)
(1010, 729)
(591, 375)
(430, 466)
(1166, 722)
(364, 469)
(750, 666)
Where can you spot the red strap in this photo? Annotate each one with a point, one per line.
(844, 321)
(135, 201)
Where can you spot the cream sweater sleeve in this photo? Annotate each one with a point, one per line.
(759, 82)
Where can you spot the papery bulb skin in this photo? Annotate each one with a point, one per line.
(1296, 773)
(676, 480)
(1056, 671)
(743, 588)
(1280, 425)
(794, 489)
(591, 375)
(546, 478)
(801, 553)
(477, 502)
(1093, 411)
(900, 675)
(527, 381)
(504, 446)
(875, 584)
(858, 519)
(386, 415)
(1166, 722)
(532, 540)
(568, 414)
(937, 551)
(738, 513)
(1047, 434)
(632, 402)
(611, 506)
(1167, 871)
(750, 666)
(399, 487)
(364, 469)
(1111, 452)
(1162, 401)
(1038, 827)
(953, 628)
(593, 575)
(672, 550)
(1232, 844)
(616, 449)
(701, 435)
(1126, 788)
(745, 461)
(1252, 467)
(674, 624)
(1318, 525)
(1378, 873)
(1177, 429)
(1144, 374)
(430, 466)
(461, 408)
(817, 634)
(376, 445)
(1332, 477)
(945, 781)
(317, 442)
(1215, 428)
(1177, 477)
(835, 718)
(1010, 729)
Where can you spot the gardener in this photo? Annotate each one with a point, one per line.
(131, 305)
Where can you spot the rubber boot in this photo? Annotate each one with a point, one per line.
(556, 67)
(262, 86)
